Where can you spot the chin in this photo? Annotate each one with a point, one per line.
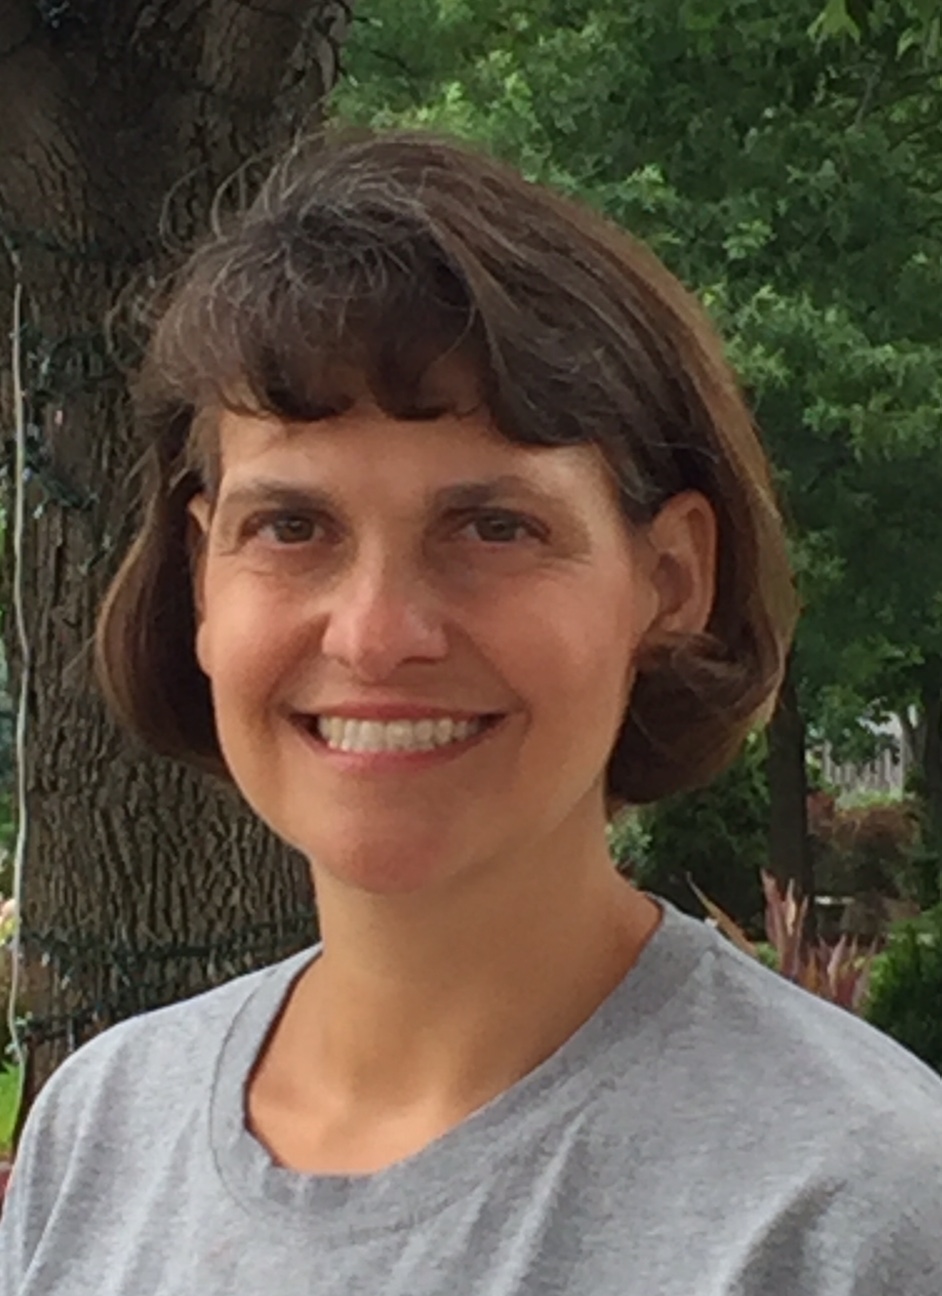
(377, 865)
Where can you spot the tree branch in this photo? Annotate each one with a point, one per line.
(866, 100)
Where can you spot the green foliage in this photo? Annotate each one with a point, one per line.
(719, 836)
(906, 989)
(11, 1096)
(923, 877)
(915, 24)
(767, 955)
(786, 162)
(629, 841)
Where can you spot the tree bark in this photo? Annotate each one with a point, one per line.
(789, 845)
(913, 736)
(931, 705)
(143, 883)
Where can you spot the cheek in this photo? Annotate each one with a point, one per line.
(576, 654)
(599, 649)
(243, 639)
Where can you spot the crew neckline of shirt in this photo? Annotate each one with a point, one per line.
(449, 1167)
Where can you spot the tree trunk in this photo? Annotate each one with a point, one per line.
(143, 883)
(931, 705)
(913, 732)
(789, 845)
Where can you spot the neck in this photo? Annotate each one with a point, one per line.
(447, 1000)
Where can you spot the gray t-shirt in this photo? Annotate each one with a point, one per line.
(710, 1131)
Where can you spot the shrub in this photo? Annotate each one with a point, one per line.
(719, 836)
(863, 849)
(906, 990)
(629, 842)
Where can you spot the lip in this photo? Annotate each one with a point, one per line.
(379, 762)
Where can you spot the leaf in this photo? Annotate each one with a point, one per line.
(834, 21)
(703, 15)
(932, 38)
(906, 41)
(927, 9)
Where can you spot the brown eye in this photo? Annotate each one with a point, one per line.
(289, 529)
(503, 528)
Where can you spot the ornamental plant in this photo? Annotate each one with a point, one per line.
(840, 973)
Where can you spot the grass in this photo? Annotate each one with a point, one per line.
(11, 1087)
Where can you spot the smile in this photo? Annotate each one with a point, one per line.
(376, 742)
(342, 734)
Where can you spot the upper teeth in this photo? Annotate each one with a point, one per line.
(397, 735)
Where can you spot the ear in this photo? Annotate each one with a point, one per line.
(198, 523)
(682, 545)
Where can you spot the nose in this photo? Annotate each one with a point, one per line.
(381, 615)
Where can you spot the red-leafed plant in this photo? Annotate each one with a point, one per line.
(840, 973)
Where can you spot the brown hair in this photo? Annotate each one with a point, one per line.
(362, 262)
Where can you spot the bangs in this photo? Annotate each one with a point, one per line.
(309, 317)
(371, 285)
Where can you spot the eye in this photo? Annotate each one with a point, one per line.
(501, 526)
(286, 528)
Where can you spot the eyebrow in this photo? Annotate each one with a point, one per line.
(467, 494)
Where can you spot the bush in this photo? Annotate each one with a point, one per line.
(629, 842)
(719, 836)
(906, 989)
(865, 849)
(922, 877)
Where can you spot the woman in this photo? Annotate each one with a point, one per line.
(458, 535)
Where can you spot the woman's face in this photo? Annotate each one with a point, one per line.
(425, 571)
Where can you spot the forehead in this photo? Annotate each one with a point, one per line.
(365, 450)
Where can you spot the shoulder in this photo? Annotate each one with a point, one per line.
(133, 1095)
(749, 1070)
(160, 1058)
(812, 1095)
(808, 1137)
(819, 1051)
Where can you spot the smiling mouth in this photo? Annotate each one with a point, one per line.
(396, 737)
